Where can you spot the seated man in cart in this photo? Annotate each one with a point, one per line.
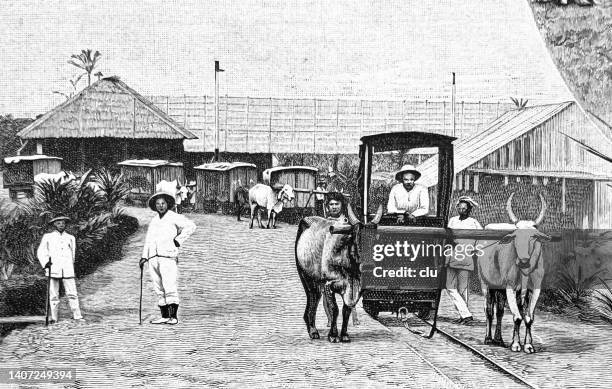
(407, 199)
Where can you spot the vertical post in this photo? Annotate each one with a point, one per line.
(443, 131)
(184, 110)
(463, 116)
(217, 69)
(293, 146)
(386, 113)
(314, 129)
(337, 123)
(427, 116)
(270, 128)
(563, 190)
(453, 106)
(404, 115)
(595, 207)
(246, 149)
(205, 123)
(134, 117)
(225, 128)
(361, 119)
(366, 178)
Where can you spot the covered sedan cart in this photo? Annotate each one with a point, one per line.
(395, 278)
(19, 172)
(143, 175)
(402, 259)
(217, 184)
(303, 180)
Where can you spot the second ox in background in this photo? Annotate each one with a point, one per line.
(263, 196)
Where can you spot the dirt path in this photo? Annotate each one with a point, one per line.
(241, 325)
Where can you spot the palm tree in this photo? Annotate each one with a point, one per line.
(520, 103)
(86, 61)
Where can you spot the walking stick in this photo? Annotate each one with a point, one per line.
(140, 304)
(48, 302)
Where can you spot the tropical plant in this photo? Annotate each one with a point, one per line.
(575, 288)
(605, 301)
(91, 205)
(86, 61)
(519, 103)
(114, 187)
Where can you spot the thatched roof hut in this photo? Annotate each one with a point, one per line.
(105, 123)
(108, 108)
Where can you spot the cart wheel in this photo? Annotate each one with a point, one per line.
(371, 309)
(425, 313)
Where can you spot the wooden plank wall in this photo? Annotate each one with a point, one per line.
(140, 171)
(241, 176)
(546, 148)
(274, 125)
(297, 179)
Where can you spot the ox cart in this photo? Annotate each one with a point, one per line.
(20, 172)
(402, 261)
(218, 182)
(143, 175)
(303, 180)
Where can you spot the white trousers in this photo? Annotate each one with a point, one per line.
(164, 274)
(71, 293)
(457, 289)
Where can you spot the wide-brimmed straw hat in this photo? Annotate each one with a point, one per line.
(59, 217)
(407, 169)
(467, 199)
(167, 196)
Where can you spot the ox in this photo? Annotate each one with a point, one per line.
(241, 197)
(330, 262)
(263, 196)
(241, 200)
(513, 269)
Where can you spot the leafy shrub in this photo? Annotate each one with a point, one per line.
(92, 207)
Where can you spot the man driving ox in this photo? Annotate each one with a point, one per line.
(407, 199)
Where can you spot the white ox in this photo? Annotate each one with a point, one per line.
(513, 269)
(263, 196)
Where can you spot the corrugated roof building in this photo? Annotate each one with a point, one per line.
(533, 150)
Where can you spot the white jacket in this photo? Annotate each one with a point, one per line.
(61, 249)
(163, 232)
(415, 202)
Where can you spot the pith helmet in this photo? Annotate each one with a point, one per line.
(167, 196)
(59, 217)
(407, 169)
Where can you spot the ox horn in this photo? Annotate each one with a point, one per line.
(351, 215)
(513, 217)
(378, 216)
(540, 218)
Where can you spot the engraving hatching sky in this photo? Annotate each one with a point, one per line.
(341, 49)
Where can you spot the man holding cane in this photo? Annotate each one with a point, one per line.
(56, 255)
(167, 232)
